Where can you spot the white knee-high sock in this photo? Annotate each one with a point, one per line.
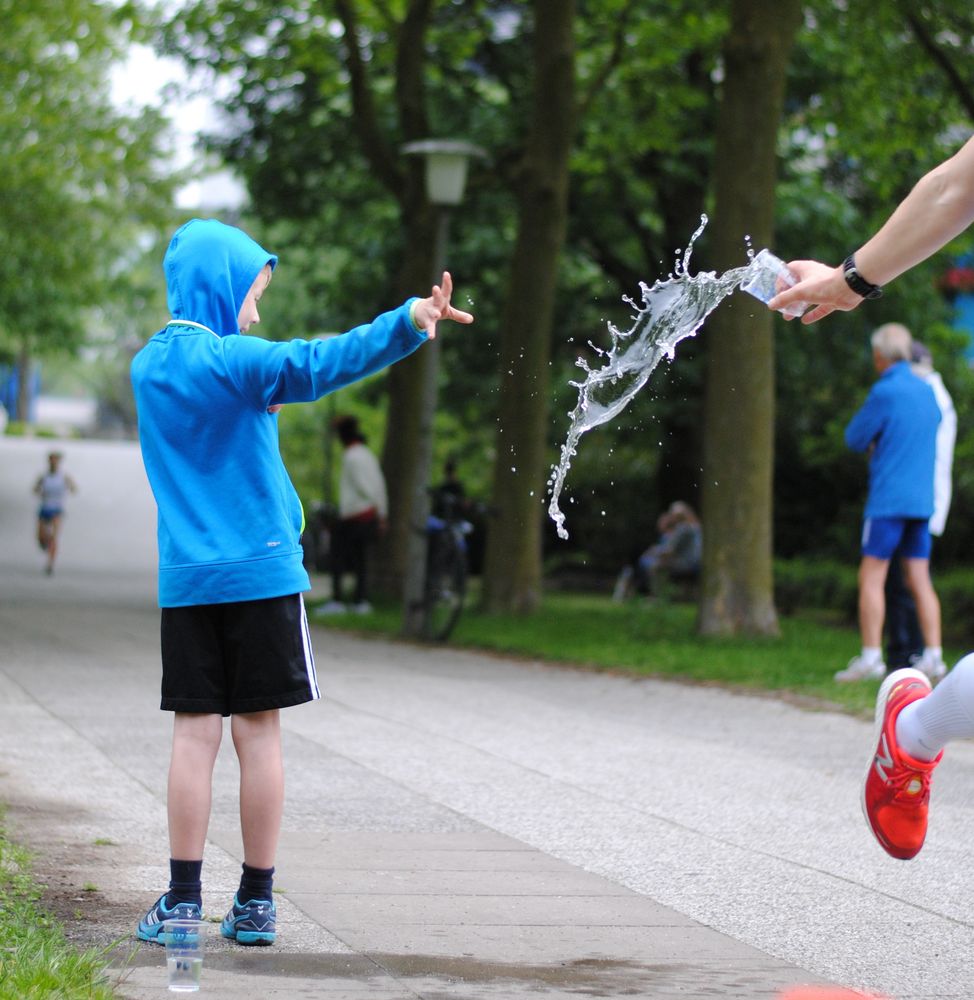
(926, 726)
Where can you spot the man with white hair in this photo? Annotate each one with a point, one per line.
(897, 425)
(904, 641)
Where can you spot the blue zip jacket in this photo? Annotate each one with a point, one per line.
(900, 416)
(229, 519)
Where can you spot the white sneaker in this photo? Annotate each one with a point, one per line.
(933, 667)
(332, 608)
(859, 670)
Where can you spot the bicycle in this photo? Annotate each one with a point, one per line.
(446, 569)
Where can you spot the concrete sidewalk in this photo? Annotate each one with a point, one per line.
(466, 826)
(386, 891)
(458, 826)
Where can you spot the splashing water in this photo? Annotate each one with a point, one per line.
(671, 311)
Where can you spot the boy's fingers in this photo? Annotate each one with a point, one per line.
(440, 303)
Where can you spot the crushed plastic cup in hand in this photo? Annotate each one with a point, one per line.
(184, 954)
(768, 275)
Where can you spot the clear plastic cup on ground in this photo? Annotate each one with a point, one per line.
(184, 954)
(767, 276)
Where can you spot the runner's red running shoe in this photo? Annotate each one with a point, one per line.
(896, 793)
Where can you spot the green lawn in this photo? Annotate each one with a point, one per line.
(660, 640)
(35, 958)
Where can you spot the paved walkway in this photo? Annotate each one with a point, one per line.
(464, 826)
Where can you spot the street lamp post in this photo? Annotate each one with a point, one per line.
(446, 174)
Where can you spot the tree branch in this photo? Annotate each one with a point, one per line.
(374, 144)
(925, 37)
(410, 79)
(611, 63)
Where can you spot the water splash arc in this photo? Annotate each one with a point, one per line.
(671, 310)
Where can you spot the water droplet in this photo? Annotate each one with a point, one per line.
(671, 310)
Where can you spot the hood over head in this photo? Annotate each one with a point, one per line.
(209, 269)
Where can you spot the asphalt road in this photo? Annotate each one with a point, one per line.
(698, 842)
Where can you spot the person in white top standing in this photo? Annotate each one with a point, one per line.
(363, 509)
(52, 487)
(904, 642)
(943, 487)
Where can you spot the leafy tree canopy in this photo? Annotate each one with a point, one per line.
(876, 96)
(81, 178)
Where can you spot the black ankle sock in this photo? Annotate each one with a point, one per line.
(256, 883)
(184, 882)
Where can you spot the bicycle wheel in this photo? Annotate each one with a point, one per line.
(446, 586)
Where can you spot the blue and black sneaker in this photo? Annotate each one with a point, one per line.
(251, 923)
(152, 925)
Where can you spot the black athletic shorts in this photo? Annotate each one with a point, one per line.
(227, 659)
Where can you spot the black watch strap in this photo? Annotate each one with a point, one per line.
(857, 282)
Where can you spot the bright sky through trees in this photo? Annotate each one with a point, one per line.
(145, 78)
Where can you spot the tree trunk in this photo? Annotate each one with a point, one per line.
(23, 382)
(512, 575)
(406, 383)
(737, 592)
(409, 379)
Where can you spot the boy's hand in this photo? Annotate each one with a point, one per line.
(428, 312)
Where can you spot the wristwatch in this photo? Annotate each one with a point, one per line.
(857, 282)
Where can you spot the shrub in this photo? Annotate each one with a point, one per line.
(804, 583)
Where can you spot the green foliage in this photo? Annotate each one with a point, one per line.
(35, 959)
(660, 641)
(81, 179)
(863, 121)
(312, 452)
(955, 588)
(803, 584)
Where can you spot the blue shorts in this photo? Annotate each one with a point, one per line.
(49, 513)
(907, 537)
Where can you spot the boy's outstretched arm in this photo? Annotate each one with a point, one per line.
(426, 313)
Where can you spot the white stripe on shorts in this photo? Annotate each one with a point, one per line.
(309, 656)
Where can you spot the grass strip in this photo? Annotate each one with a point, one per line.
(659, 640)
(35, 958)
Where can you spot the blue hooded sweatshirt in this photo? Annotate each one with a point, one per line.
(229, 519)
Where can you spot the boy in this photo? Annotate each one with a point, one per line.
(234, 634)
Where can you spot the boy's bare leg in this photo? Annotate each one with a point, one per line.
(195, 743)
(916, 572)
(257, 740)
